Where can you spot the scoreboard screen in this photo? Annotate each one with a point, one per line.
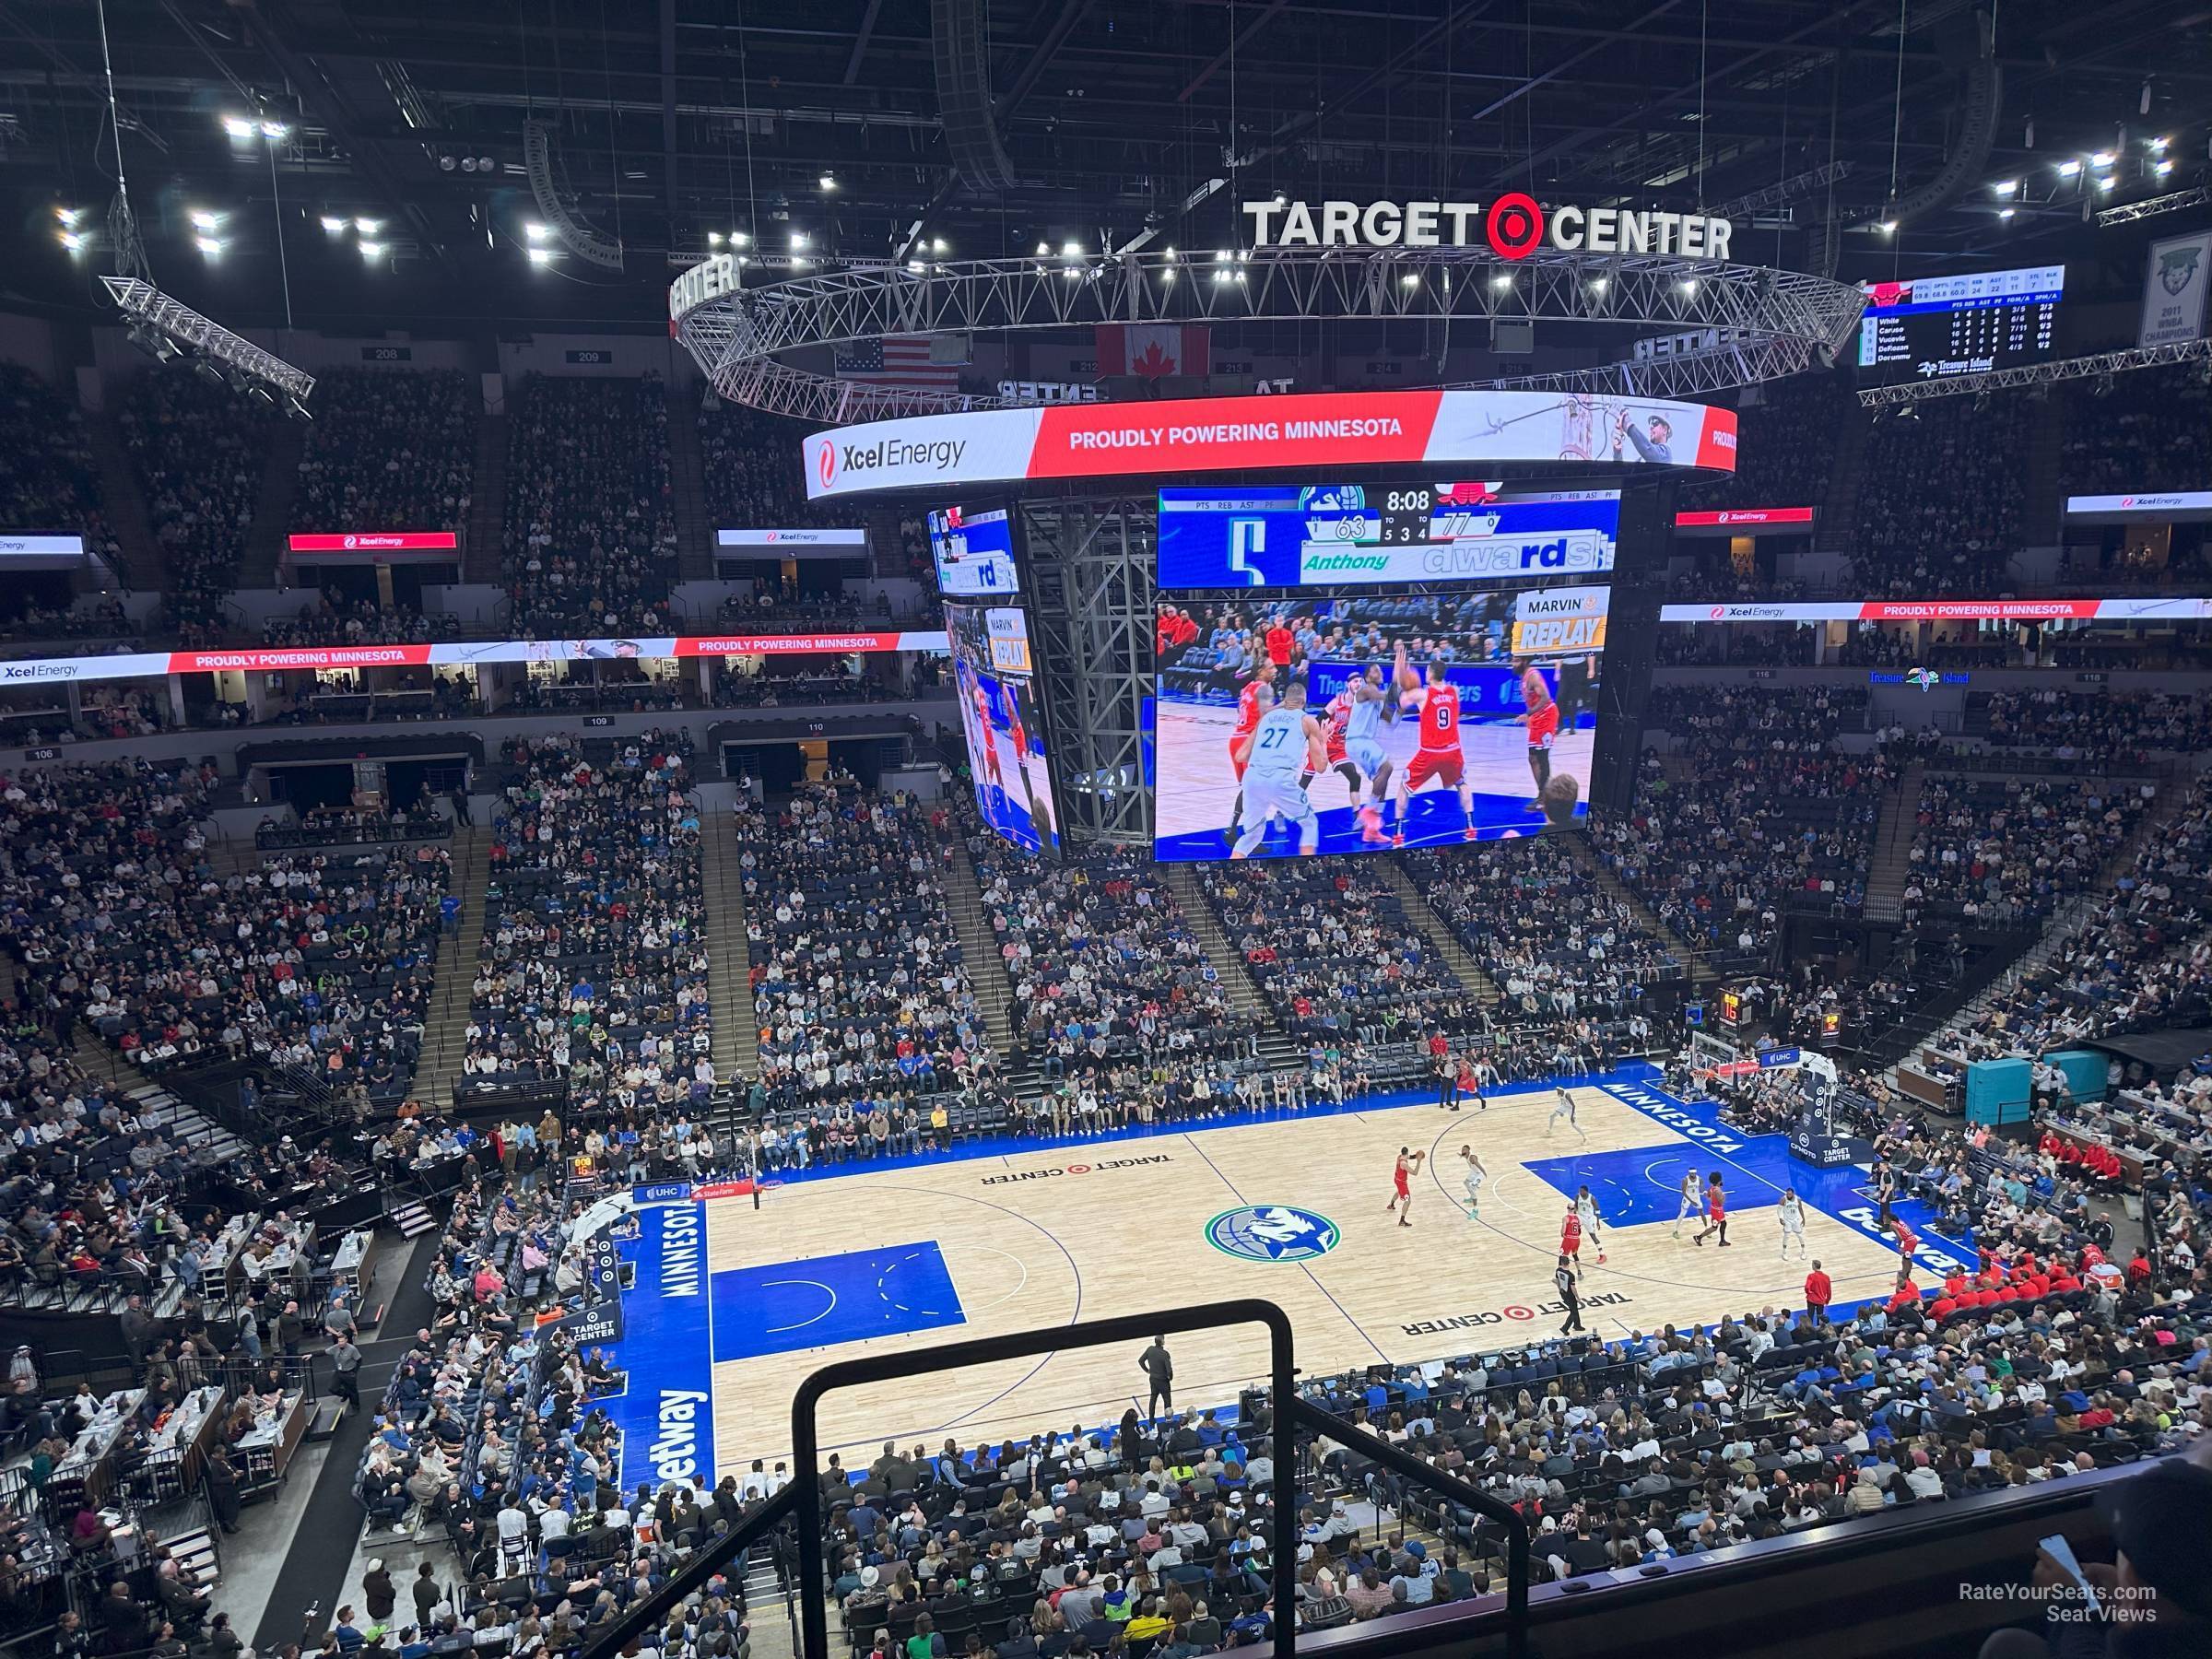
(1934, 327)
(1325, 535)
(973, 549)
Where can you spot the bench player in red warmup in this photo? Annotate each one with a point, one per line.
(1439, 756)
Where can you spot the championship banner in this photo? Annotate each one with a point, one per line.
(2173, 289)
(1323, 432)
(141, 664)
(1946, 610)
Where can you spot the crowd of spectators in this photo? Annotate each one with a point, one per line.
(199, 450)
(1786, 446)
(1940, 490)
(1106, 972)
(2007, 851)
(1556, 944)
(390, 449)
(590, 539)
(333, 619)
(48, 480)
(593, 965)
(1761, 810)
(2101, 731)
(2147, 430)
(1330, 944)
(746, 457)
(858, 989)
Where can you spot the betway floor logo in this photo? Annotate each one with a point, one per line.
(679, 1252)
(1660, 1109)
(674, 1449)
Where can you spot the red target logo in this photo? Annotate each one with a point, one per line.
(1079, 1169)
(1517, 1312)
(1515, 225)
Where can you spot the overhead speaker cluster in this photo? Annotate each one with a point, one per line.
(963, 65)
(569, 231)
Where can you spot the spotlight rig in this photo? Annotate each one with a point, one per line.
(171, 331)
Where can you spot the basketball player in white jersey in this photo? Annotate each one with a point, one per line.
(1371, 704)
(1692, 1203)
(1285, 745)
(1587, 1207)
(1476, 1176)
(1563, 1107)
(1791, 1212)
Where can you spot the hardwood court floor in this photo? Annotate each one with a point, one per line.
(1197, 785)
(1121, 1229)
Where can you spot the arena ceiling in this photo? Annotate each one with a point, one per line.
(672, 123)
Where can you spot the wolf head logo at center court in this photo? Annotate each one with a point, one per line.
(1272, 1232)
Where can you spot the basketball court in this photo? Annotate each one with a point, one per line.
(1196, 787)
(733, 1305)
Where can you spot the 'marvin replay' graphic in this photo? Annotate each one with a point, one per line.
(1272, 1232)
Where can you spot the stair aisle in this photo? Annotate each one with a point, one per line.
(487, 502)
(729, 958)
(1228, 961)
(1837, 529)
(978, 953)
(444, 1036)
(688, 476)
(1892, 863)
(1701, 974)
(1439, 933)
(124, 506)
(273, 505)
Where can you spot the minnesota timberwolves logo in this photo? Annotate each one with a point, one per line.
(1272, 1232)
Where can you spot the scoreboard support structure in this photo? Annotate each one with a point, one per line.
(1091, 564)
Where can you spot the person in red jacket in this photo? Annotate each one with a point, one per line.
(1818, 1294)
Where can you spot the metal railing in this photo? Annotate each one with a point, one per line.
(801, 1502)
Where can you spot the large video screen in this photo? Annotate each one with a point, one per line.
(1328, 534)
(996, 684)
(1933, 327)
(974, 552)
(1349, 724)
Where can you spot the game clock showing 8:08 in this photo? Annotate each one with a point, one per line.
(1406, 510)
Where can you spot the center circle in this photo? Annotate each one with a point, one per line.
(1272, 1232)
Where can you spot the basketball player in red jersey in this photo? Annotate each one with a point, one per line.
(1543, 721)
(1571, 1238)
(990, 738)
(1335, 717)
(1401, 1181)
(1253, 701)
(1439, 756)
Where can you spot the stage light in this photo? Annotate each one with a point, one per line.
(1597, 285)
(2163, 168)
(336, 227)
(798, 261)
(738, 239)
(2101, 159)
(937, 245)
(368, 227)
(1071, 249)
(1409, 280)
(1887, 227)
(2158, 144)
(276, 132)
(69, 216)
(540, 256)
(915, 267)
(238, 127)
(1042, 249)
(1502, 280)
(1690, 286)
(2066, 169)
(2004, 213)
(2005, 187)
(204, 220)
(209, 245)
(798, 240)
(74, 241)
(2104, 184)
(372, 250)
(536, 232)
(713, 239)
(828, 181)
(1171, 256)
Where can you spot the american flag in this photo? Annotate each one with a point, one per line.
(922, 362)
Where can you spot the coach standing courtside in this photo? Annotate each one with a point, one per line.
(1159, 1372)
(1816, 1293)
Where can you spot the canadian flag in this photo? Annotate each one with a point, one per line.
(1153, 349)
